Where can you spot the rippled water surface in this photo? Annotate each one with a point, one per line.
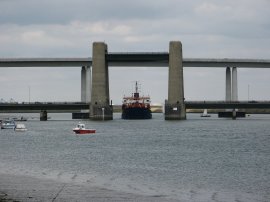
(199, 159)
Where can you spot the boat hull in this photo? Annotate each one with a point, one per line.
(20, 129)
(136, 113)
(85, 131)
(8, 125)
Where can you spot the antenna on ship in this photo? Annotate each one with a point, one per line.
(136, 94)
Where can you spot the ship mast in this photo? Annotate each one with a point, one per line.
(136, 94)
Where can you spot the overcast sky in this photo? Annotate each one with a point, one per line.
(67, 28)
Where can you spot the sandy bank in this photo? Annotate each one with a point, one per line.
(30, 189)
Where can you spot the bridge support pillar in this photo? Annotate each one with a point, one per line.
(86, 84)
(228, 85)
(175, 107)
(83, 84)
(43, 115)
(100, 107)
(231, 94)
(234, 84)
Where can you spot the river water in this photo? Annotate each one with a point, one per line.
(199, 159)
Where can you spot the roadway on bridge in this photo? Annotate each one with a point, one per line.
(134, 60)
(77, 106)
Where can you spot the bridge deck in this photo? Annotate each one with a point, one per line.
(67, 106)
(227, 105)
(134, 60)
(39, 106)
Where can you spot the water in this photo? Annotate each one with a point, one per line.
(200, 159)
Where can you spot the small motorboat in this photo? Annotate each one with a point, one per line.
(8, 124)
(80, 129)
(20, 127)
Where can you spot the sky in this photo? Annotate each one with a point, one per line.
(67, 28)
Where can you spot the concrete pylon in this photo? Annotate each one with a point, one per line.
(231, 94)
(88, 84)
(83, 84)
(100, 108)
(234, 84)
(43, 115)
(228, 89)
(175, 107)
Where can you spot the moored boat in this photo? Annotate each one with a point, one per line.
(136, 107)
(8, 124)
(80, 129)
(20, 127)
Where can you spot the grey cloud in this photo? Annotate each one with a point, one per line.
(65, 28)
(55, 12)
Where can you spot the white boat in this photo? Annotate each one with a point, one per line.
(204, 114)
(20, 127)
(8, 124)
(80, 129)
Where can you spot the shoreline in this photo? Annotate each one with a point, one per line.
(17, 188)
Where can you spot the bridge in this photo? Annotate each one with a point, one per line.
(58, 107)
(138, 59)
(95, 77)
(227, 104)
(63, 107)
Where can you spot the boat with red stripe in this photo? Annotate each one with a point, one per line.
(80, 129)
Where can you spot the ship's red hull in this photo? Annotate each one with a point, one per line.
(85, 131)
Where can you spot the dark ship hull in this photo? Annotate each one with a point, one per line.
(136, 113)
(136, 106)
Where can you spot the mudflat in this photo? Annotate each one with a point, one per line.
(15, 188)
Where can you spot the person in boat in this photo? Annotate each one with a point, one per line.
(81, 126)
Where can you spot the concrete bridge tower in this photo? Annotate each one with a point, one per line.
(228, 95)
(231, 94)
(231, 84)
(100, 107)
(234, 84)
(86, 84)
(175, 107)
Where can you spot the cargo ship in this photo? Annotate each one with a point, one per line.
(136, 107)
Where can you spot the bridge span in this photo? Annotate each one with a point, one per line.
(138, 59)
(227, 104)
(58, 107)
(78, 106)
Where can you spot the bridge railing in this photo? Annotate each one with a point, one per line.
(247, 104)
(45, 103)
(226, 102)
